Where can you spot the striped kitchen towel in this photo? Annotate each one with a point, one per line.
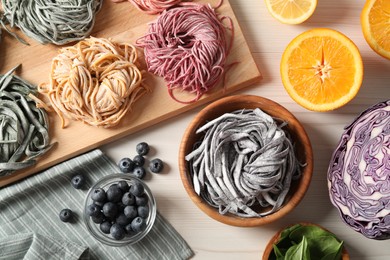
(31, 229)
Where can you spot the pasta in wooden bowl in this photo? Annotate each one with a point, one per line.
(245, 161)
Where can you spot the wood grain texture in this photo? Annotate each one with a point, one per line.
(299, 138)
(122, 23)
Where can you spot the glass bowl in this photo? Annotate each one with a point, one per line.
(94, 228)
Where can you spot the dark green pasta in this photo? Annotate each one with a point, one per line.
(49, 21)
(23, 127)
(3, 22)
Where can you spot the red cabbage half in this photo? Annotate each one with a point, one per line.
(359, 173)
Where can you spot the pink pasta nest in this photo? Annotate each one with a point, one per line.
(187, 46)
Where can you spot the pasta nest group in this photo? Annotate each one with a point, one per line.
(95, 81)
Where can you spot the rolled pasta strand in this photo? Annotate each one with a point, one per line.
(96, 81)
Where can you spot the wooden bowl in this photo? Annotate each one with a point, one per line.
(300, 139)
(269, 248)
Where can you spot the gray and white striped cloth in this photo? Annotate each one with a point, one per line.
(31, 229)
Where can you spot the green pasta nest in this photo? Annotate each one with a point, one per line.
(23, 127)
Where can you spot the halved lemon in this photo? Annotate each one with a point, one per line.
(291, 11)
(375, 20)
(321, 69)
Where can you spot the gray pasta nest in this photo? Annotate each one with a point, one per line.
(244, 164)
(49, 21)
(23, 127)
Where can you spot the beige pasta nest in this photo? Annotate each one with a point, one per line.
(96, 81)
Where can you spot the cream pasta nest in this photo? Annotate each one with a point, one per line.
(95, 81)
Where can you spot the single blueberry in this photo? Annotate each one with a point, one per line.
(123, 220)
(114, 193)
(139, 160)
(136, 188)
(78, 181)
(128, 199)
(138, 224)
(93, 210)
(124, 186)
(156, 165)
(66, 215)
(129, 230)
(98, 219)
(142, 148)
(130, 212)
(117, 231)
(143, 211)
(98, 195)
(141, 200)
(126, 165)
(110, 210)
(139, 172)
(105, 227)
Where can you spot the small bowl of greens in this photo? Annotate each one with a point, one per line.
(305, 241)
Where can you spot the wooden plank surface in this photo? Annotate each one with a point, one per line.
(120, 22)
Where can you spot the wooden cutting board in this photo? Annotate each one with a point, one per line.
(120, 22)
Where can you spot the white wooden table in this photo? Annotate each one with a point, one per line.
(267, 39)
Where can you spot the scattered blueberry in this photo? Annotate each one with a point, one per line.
(66, 215)
(138, 224)
(142, 148)
(128, 199)
(139, 160)
(93, 210)
(156, 165)
(126, 165)
(139, 172)
(130, 212)
(141, 200)
(137, 189)
(98, 195)
(105, 227)
(114, 193)
(78, 181)
(117, 231)
(98, 219)
(110, 209)
(124, 186)
(143, 211)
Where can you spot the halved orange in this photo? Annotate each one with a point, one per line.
(321, 69)
(291, 11)
(375, 20)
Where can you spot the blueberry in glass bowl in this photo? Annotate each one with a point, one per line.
(111, 213)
